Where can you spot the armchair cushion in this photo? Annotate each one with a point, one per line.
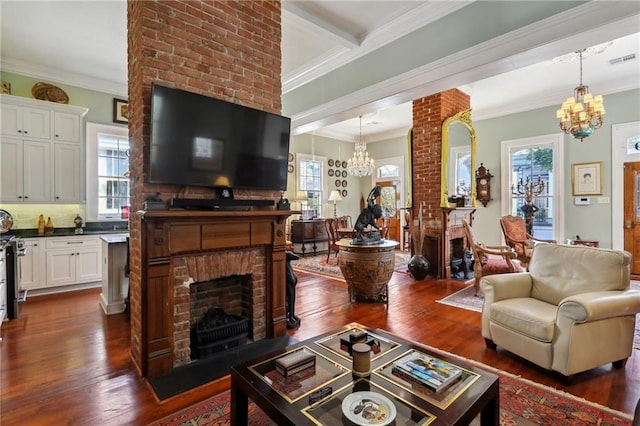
(533, 318)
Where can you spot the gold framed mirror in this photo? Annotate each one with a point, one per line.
(458, 161)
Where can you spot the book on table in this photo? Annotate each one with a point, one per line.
(425, 370)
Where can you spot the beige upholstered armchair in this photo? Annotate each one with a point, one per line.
(571, 312)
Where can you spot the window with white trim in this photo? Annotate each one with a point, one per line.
(310, 181)
(113, 177)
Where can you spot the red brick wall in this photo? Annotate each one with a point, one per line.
(224, 49)
(247, 265)
(428, 115)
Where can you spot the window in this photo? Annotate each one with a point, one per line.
(310, 180)
(534, 163)
(388, 171)
(107, 172)
(113, 176)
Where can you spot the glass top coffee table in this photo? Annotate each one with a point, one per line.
(311, 383)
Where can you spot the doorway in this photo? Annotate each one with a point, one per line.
(632, 214)
(389, 200)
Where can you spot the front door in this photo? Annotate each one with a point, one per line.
(389, 200)
(631, 222)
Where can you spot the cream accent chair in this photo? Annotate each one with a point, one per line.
(571, 312)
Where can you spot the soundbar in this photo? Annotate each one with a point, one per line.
(217, 204)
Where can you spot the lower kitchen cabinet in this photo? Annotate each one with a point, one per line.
(73, 260)
(60, 261)
(31, 265)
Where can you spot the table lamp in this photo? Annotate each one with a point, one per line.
(335, 197)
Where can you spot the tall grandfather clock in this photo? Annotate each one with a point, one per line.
(483, 183)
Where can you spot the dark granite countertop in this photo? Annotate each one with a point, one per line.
(63, 232)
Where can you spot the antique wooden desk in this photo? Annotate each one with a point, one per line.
(287, 400)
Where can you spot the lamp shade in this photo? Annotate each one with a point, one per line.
(301, 195)
(335, 196)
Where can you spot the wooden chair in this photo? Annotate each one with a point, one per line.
(515, 233)
(332, 233)
(489, 260)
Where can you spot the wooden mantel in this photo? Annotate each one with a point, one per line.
(168, 234)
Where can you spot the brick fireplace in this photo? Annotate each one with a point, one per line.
(442, 223)
(231, 279)
(227, 50)
(184, 247)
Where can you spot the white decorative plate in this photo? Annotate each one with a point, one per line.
(368, 408)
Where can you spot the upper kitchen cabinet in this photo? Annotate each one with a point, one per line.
(42, 151)
(25, 121)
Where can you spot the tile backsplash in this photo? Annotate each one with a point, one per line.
(25, 216)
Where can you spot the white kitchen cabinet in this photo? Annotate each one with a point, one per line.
(25, 122)
(66, 127)
(45, 163)
(67, 173)
(73, 260)
(31, 266)
(25, 171)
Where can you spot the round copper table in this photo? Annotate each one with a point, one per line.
(367, 269)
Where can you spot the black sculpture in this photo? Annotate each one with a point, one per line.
(367, 219)
(292, 320)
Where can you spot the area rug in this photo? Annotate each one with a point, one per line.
(319, 265)
(522, 403)
(466, 299)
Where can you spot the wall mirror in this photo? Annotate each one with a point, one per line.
(458, 159)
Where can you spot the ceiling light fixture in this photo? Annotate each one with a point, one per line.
(360, 164)
(582, 113)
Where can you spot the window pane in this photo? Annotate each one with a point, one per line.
(113, 186)
(532, 188)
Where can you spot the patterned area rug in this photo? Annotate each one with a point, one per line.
(465, 299)
(319, 265)
(522, 403)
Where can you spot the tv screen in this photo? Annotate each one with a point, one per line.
(203, 141)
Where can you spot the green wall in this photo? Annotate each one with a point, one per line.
(590, 222)
(578, 220)
(100, 104)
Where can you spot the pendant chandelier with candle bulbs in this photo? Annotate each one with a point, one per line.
(582, 113)
(360, 164)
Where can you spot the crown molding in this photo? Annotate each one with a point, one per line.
(60, 76)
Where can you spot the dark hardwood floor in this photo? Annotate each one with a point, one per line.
(64, 362)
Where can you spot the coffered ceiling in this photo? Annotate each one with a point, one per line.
(83, 43)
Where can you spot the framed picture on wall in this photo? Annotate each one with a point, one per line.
(586, 178)
(120, 111)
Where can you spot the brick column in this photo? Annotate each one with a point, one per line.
(428, 115)
(229, 50)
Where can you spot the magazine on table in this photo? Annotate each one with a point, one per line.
(425, 370)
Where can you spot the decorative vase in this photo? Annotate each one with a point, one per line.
(419, 267)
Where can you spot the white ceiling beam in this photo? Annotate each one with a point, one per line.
(326, 28)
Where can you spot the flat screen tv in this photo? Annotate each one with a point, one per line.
(203, 141)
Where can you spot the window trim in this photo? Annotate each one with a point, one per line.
(556, 143)
(92, 132)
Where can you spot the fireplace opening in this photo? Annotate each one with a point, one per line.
(220, 315)
(461, 260)
(217, 331)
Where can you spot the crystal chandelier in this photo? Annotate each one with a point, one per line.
(582, 113)
(360, 164)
